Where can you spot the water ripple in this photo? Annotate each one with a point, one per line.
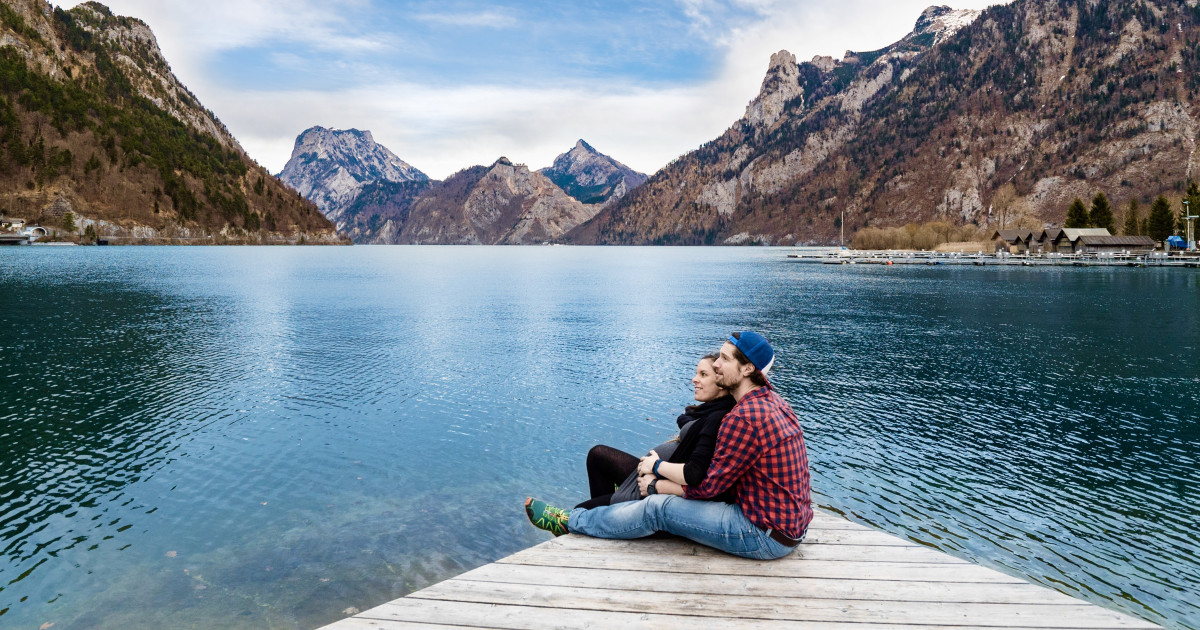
(261, 437)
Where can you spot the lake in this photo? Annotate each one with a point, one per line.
(266, 437)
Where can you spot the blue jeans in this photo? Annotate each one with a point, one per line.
(717, 525)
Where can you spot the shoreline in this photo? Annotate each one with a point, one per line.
(868, 257)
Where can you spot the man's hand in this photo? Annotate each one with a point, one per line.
(644, 484)
(646, 465)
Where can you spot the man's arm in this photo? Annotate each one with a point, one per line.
(736, 451)
(666, 470)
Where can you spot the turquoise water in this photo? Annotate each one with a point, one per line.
(265, 437)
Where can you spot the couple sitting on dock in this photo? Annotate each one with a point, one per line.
(737, 479)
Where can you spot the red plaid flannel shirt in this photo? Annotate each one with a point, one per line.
(760, 453)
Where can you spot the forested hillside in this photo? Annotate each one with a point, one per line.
(95, 131)
(991, 119)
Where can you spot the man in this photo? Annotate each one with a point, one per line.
(760, 454)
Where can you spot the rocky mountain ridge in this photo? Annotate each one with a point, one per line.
(592, 177)
(376, 198)
(1013, 111)
(97, 127)
(330, 167)
(504, 204)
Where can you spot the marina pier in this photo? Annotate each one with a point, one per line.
(863, 257)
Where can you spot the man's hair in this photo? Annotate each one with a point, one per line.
(757, 377)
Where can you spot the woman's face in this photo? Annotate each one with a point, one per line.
(705, 382)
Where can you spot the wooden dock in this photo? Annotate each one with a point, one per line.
(844, 576)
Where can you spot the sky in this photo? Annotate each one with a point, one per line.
(454, 83)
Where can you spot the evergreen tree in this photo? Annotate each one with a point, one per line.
(1077, 215)
(1133, 224)
(1101, 215)
(1160, 224)
(68, 222)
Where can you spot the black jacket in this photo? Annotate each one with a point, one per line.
(695, 450)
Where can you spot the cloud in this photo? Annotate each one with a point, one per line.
(190, 33)
(484, 19)
(530, 114)
(443, 130)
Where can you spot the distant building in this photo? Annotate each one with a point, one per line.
(9, 224)
(1012, 241)
(1044, 242)
(1066, 241)
(1135, 245)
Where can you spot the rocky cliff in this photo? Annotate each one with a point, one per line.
(1025, 106)
(504, 204)
(330, 167)
(377, 199)
(592, 177)
(97, 131)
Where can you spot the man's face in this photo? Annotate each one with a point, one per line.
(728, 370)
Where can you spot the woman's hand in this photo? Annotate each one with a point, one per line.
(644, 484)
(646, 465)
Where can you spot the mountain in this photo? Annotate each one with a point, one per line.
(380, 210)
(504, 204)
(973, 118)
(330, 167)
(375, 198)
(96, 130)
(592, 177)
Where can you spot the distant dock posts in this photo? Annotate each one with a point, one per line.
(1000, 259)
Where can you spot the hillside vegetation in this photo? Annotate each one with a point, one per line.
(93, 123)
(1027, 105)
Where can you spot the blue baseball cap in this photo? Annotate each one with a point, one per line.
(756, 348)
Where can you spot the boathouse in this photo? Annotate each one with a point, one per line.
(9, 224)
(1043, 243)
(1067, 241)
(1134, 245)
(1012, 241)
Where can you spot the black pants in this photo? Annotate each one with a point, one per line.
(607, 468)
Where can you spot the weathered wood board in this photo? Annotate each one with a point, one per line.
(844, 576)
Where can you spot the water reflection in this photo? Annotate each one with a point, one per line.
(252, 437)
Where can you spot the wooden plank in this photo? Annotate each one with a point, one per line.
(770, 586)
(856, 537)
(755, 608)
(805, 552)
(825, 520)
(823, 537)
(845, 576)
(831, 569)
(365, 623)
(515, 617)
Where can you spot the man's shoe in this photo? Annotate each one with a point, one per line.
(551, 519)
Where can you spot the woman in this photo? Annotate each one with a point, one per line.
(616, 476)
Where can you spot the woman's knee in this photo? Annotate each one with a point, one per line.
(598, 453)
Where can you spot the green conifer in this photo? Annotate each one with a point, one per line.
(1101, 215)
(1077, 215)
(1161, 223)
(1133, 223)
